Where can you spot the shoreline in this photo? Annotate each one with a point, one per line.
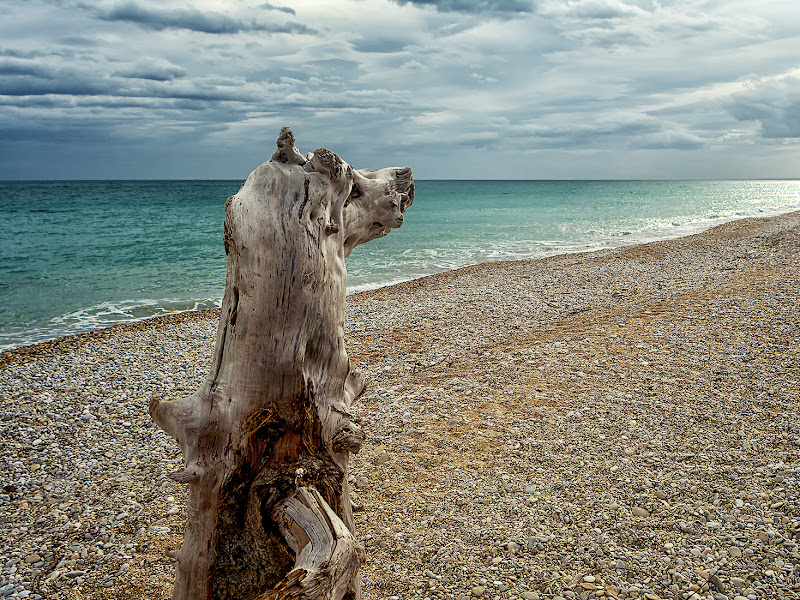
(662, 236)
(63, 343)
(613, 423)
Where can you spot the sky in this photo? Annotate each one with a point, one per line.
(456, 89)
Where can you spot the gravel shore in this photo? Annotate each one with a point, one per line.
(621, 423)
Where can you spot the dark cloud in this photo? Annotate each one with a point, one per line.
(28, 54)
(193, 20)
(597, 77)
(79, 40)
(16, 86)
(601, 134)
(26, 69)
(13, 52)
(473, 6)
(72, 103)
(379, 45)
(33, 101)
(286, 9)
(774, 105)
(154, 70)
(782, 122)
(82, 127)
(76, 84)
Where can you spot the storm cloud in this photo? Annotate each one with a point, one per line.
(154, 69)
(539, 89)
(773, 104)
(193, 20)
(285, 9)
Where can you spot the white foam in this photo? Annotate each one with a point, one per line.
(102, 315)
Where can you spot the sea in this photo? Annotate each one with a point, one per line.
(76, 256)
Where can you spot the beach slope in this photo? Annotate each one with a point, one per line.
(620, 423)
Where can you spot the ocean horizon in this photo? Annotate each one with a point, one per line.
(80, 255)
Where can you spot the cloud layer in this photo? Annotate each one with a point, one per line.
(158, 19)
(455, 88)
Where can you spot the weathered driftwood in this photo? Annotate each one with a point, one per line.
(266, 439)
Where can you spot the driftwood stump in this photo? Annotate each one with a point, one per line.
(267, 438)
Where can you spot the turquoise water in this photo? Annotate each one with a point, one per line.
(81, 255)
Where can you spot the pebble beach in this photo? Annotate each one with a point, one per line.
(621, 423)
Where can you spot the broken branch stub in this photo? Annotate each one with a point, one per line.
(266, 440)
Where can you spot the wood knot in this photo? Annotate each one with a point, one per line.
(325, 161)
(349, 438)
(186, 476)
